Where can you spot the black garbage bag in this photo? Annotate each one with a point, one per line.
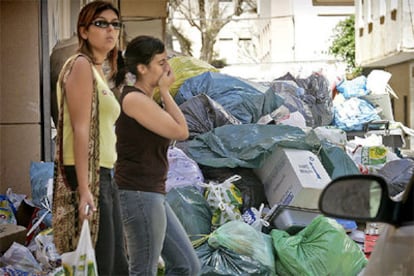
(204, 114)
(291, 94)
(397, 173)
(317, 96)
(250, 186)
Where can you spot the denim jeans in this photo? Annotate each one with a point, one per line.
(152, 229)
(110, 249)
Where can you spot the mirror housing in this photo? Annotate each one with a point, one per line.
(360, 198)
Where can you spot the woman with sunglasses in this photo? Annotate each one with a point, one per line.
(144, 132)
(87, 116)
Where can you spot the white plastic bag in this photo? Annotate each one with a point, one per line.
(182, 171)
(377, 82)
(224, 199)
(81, 262)
(254, 217)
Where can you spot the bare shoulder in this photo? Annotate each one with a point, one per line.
(81, 63)
(138, 103)
(81, 68)
(135, 98)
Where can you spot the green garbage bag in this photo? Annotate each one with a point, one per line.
(192, 210)
(243, 239)
(321, 248)
(224, 262)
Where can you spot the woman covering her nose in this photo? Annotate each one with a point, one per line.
(144, 132)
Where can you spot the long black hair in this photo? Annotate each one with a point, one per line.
(140, 50)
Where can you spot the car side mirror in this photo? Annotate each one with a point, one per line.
(358, 197)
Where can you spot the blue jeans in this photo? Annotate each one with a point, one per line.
(151, 230)
(110, 247)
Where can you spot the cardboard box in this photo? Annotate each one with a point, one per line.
(293, 177)
(10, 233)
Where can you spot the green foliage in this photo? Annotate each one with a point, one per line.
(343, 44)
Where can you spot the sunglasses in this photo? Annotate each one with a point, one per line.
(105, 24)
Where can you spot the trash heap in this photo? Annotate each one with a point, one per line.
(246, 183)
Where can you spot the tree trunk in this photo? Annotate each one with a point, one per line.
(209, 21)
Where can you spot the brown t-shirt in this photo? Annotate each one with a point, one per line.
(142, 163)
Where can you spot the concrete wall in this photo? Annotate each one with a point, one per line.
(384, 38)
(293, 36)
(402, 82)
(144, 17)
(20, 103)
(154, 27)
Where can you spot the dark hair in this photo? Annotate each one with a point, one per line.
(87, 14)
(140, 50)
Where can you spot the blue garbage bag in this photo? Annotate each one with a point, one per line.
(241, 99)
(356, 87)
(40, 175)
(353, 114)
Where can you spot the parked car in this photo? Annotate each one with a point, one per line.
(365, 198)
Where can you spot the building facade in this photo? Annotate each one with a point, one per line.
(384, 38)
(288, 36)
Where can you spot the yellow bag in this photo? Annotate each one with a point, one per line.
(224, 200)
(185, 67)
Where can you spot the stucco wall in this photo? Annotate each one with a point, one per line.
(20, 93)
(400, 84)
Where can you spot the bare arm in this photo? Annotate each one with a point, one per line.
(79, 87)
(169, 122)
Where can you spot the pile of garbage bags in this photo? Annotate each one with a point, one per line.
(235, 125)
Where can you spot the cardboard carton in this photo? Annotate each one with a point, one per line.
(10, 233)
(293, 177)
